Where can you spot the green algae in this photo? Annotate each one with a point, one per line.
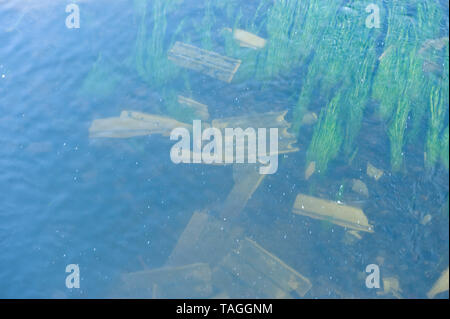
(150, 57)
(401, 86)
(206, 27)
(101, 80)
(327, 137)
(339, 76)
(444, 157)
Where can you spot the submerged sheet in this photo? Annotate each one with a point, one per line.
(266, 120)
(342, 215)
(200, 110)
(189, 281)
(205, 239)
(441, 284)
(247, 39)
(251, 270)
(131, 123)
(246, 181)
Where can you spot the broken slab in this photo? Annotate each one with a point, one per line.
(200, 110)
(240, 267)
(205, 239)
(360, 187)
(251, 271)
(310, 118)
(310, 170)
(440, 285)
(342, 215)
(131, 124)
(374, 172)
(286, 140)
(244, 129)
(247, 39)
(246, 181)
(391, 285)
(210, 63)
(188, 281)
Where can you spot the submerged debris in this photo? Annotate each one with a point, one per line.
(309, 118)
(391, 285)
(250, 270)
(213, 252)
(200, 110)
(131, 123)
(189, 281)
(355, 234)
(310, 170)
(386, 52)
(441, 284)
(374, 172)
(426, 219)
(351, 237)
(436, 44)
(205, 239)
(240, 266)
(246, 181)
(286, 140)
(360, 187)
(247, 39)
(342, 215)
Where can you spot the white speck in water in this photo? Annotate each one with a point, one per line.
(3, 76)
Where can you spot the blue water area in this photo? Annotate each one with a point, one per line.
(116, 206)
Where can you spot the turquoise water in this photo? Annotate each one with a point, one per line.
(117, 206)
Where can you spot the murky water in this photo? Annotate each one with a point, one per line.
(116, 206)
